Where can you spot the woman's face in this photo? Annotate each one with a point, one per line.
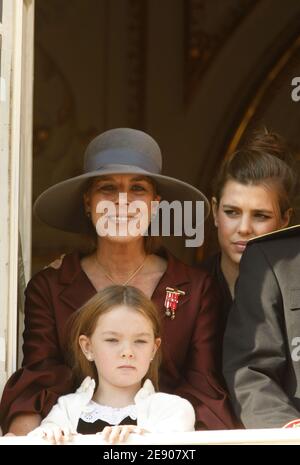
(244, 212)
(122, 346)
(120, 205)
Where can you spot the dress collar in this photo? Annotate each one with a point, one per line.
(112, 415)
(78, 288)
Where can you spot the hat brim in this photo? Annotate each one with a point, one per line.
(61, 206)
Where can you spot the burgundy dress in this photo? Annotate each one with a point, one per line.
(213, 266)
(190, 345)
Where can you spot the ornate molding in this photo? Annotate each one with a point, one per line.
(271, 79)
(208, 25)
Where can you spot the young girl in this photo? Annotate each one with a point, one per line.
(253, 195)
(115, 340)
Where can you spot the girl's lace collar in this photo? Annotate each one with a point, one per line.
(110, 415)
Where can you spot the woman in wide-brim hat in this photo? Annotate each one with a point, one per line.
(119, 161)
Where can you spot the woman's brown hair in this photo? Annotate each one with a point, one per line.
(84, 321)
(263, 158)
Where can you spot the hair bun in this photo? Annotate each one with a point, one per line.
(269, 142)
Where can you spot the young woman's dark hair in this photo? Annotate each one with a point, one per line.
(263, 159)
(253, 195)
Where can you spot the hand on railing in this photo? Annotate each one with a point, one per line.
(52, 433)
(119, 433)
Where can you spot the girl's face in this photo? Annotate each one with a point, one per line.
(122, 347)
(244, 212)
(120, 217)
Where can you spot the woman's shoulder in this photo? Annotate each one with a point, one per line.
(275, 245)
(280, 234)
(62, 269)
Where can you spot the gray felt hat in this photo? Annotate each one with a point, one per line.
(116, 151)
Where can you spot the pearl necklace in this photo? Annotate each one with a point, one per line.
(130, 277)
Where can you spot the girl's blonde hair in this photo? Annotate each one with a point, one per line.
(84, 321)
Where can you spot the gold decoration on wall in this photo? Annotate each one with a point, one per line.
(208, 25)
(259, 95)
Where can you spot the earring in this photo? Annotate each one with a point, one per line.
(88, 214)
(89, 357)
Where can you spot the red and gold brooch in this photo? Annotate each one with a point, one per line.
(171, 301)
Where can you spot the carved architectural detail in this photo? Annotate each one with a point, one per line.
(286, 64)
(208, 24)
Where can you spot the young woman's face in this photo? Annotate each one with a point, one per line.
(122, 347)
(244, 212)
(128, 215)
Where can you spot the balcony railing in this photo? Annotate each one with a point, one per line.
(250, 436)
